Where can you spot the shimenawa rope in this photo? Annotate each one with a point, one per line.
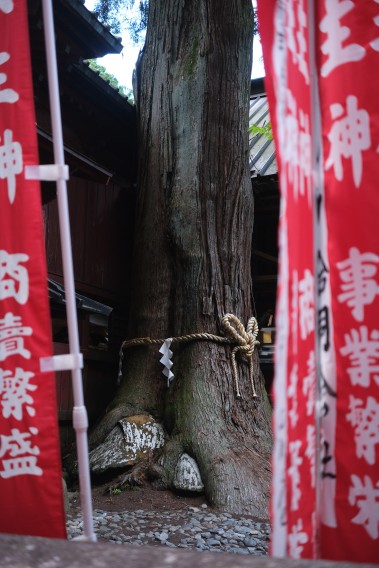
(246, 340)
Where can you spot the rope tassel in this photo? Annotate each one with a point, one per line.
(247, 340)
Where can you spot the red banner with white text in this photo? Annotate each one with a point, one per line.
(320, 59)
(30, 469)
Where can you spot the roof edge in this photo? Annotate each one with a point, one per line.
(257, 87)
(114, 43)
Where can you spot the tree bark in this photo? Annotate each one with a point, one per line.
(193, 246)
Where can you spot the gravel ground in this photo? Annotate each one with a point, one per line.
(196, 528)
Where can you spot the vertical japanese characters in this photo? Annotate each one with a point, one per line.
(319, 59)
(18, 453)
(350, 111)
(29, 446)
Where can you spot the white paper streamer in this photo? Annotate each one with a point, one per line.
(166, 360)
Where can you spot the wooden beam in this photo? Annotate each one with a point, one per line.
(266, 278)
(265, 256)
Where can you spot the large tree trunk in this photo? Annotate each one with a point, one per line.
(193, 246)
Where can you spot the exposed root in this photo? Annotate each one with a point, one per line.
(136, 476)
(139, 474)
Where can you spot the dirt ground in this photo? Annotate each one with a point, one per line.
(132, 499)
(139, 497)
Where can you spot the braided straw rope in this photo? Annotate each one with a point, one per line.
(246, 341)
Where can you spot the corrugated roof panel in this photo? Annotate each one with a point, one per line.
(262, 150)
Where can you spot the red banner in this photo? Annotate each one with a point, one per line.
(319, 59)
(30, 469)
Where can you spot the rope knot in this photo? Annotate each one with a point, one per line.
(246, 340)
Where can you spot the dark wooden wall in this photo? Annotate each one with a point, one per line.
(101, 218)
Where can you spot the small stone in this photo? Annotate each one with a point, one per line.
(213, 542)
(103, 529)
(201, 546)
(236, 550)
(187, 475)
(196, 530)
(250, 541)
(246, 530)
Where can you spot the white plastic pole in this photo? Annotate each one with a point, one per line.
(80, 420)
(316, 153)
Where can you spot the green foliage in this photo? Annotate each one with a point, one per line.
(114, 14)
(119, 14)
(266, 130)
(112, 80)
(255, 29)
(132, 15)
